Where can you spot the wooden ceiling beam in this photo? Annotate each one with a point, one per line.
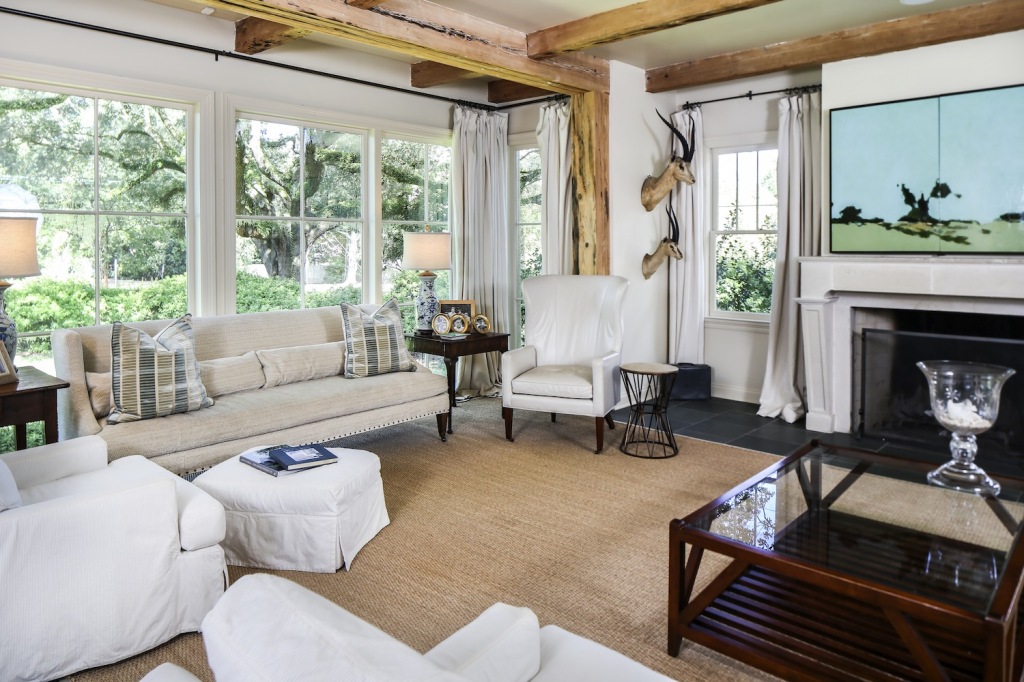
(972, 21)
(631, 21)
(253, 35)
(430, 74)
(502, 92)
(435, 33)
(364, 4)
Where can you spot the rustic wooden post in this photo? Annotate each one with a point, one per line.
(589, 125)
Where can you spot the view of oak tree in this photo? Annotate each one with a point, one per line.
(111, 180)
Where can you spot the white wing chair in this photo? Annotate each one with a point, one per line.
(99, 562)
(570, 363)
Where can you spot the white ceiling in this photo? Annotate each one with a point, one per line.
(777, 22)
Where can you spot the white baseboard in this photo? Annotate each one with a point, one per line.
(740, 393)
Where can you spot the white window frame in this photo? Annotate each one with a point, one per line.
(715, 147)
(517, 142)
(437, 139)
(235, 106)
(200, 207)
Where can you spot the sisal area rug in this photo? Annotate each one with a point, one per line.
(582, 539)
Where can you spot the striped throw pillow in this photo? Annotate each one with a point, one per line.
(154, 376)
(374, 344)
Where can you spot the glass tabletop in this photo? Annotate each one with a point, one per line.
(875, 517)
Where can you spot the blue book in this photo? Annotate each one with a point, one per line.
(294, 457)
(259, 458)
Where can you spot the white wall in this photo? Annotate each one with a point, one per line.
(637, 148)
(41, 42)
(737, 350)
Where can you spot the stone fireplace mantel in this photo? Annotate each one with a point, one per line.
(832, 288)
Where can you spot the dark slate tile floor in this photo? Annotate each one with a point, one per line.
(737, 423)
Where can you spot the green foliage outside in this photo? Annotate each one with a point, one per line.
(744, 271)
(35, 436)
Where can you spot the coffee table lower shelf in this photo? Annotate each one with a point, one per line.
(800, 632)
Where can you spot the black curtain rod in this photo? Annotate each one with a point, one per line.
(217, 54)
(750, 95)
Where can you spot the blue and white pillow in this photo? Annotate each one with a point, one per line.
(374, 344)
(154, 376)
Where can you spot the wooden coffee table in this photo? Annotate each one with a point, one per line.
(846, 565)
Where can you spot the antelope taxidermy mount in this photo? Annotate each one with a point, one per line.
(667, 248)
(678, 169)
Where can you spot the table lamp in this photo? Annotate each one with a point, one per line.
(426, 251)
(17, 259)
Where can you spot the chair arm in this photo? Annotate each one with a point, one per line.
(52, 461)
(74, 409)
(266, 628)
(501, 645)
(514, 363)
(607, 384)
(107, 553)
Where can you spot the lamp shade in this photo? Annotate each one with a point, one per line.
(427, 251)
(18, 247)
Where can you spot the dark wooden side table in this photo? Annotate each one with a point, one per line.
(453, 349)
(32, 399)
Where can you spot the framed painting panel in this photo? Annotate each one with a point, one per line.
(938, 175)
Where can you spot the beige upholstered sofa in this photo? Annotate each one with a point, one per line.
(273, 376)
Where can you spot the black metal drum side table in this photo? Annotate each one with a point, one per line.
(648, 432)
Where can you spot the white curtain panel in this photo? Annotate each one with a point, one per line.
(799, 185)
(555, 145)
(479, 208)
(687, 281)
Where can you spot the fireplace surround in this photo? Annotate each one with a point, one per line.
(833, 289)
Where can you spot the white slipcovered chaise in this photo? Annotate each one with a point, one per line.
(268, 629)
(99, 562)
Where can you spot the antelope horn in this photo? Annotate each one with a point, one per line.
(687, 152)
(673, 221)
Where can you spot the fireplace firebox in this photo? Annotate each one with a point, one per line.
(894, 401)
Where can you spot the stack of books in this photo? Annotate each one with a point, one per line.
(279, 460)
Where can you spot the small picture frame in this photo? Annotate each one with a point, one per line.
(7, 373)
(481, 324)
(441, 324)
(452, 308)
(460, 324)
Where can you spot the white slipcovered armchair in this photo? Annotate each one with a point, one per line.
(268, 629)
(99, 562)
(570, 363)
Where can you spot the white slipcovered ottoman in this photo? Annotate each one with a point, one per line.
(314, 520)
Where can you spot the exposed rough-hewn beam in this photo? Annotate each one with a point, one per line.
(429, 74)
(972, 21)
(253, 35)
(589, 125)
(500, 92)
(436, 33)
(628, 22)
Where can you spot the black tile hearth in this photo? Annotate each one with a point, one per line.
(737, 423)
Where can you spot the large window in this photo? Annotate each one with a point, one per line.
(414, 198)
(110, 177)
(745, 230)
(527, 209)
(300, 217)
